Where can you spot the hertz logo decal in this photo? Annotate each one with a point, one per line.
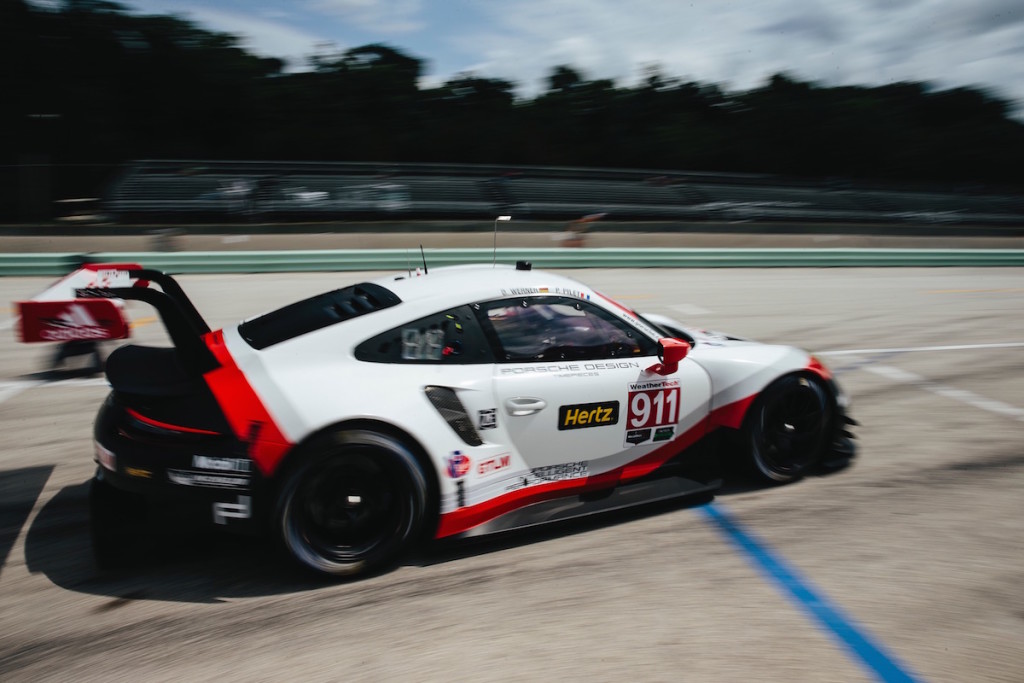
(588, 415)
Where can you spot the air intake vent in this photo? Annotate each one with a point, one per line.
(454, 413)
(315, 313)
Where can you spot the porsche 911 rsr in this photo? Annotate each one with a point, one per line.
(465, 401)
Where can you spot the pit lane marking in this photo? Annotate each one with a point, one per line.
(854, 638)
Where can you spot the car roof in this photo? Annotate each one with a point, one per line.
(456, 285)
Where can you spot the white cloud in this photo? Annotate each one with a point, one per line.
(740, 44)
(266, 36)
(735, 43)
(391, 17)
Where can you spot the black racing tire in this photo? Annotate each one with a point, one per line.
(354, 502)
(788, 428)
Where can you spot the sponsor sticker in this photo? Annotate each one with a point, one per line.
(458, 464)
(652, 411)
(491, 465)
(562, 471)
(664, 433)
(205, 462)
(207, 480)
(653, 404)
(637, 436)
(222, 512)
(420, 344)
(584, 415)
(488, 418)
(83, 320)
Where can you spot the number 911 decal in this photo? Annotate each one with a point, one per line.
(652, 411)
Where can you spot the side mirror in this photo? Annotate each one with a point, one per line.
(671, 353)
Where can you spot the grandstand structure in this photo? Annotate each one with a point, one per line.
(194, 191)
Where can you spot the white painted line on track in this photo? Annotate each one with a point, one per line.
(690, 309)
(914, 349)
(9, 390)
(961, 395)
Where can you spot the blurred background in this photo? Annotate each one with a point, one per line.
(110, 114)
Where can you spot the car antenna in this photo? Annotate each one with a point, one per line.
(494, 261)
(424, 257)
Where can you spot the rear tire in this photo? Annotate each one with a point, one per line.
(787, 429)
(355, 502)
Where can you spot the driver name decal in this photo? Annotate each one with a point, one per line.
(588, 415)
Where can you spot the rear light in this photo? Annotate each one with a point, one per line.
(105, 457)
(153, 427)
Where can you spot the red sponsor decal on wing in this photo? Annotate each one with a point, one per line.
(249, 418)
(72, 320)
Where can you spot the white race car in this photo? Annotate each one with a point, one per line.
(468, 400)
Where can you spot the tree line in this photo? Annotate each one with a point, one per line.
(90, 85)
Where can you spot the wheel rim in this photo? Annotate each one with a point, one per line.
(791, 430)
(347, 510)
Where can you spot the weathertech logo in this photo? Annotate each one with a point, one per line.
(588, 415)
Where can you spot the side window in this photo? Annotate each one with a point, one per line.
(451, 337)
(559, 328)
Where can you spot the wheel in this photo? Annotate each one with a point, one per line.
(787, 429)
(354, 503)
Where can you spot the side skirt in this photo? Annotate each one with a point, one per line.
(595, 502)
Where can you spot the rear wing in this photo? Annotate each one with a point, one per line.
(88, 305)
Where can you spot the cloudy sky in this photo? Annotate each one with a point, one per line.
(737, 43)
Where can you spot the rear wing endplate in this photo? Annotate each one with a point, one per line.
(88, 305)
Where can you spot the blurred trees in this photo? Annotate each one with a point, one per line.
(91, 85)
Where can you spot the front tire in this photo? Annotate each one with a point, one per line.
(787, 429)
(355, 501)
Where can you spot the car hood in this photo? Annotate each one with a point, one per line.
(700, 337)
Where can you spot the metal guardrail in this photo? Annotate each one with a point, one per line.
(402, 259)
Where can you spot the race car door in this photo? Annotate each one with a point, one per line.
(573, 391)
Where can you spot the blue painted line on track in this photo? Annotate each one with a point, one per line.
(869, 653)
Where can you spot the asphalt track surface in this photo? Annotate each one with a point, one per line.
(907, 565)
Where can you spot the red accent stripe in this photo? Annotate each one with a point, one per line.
(466, 518)
(615, 303)
(167, 425)
(818, 368)
(243, 407)
(732, 415)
